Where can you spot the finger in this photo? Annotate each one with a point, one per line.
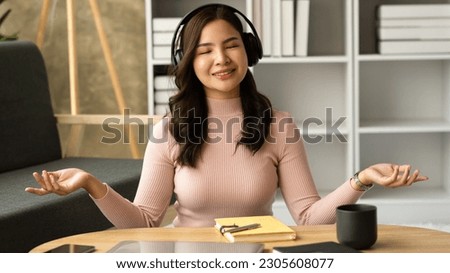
(393, 178)
(37, 191)
(404, 177)
(404, 168)
(39, 179)
(56, 186)
(412, 178)
(422, 178)
(53, 182)
(47, 184)
(398, 178)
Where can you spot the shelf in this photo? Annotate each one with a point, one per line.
(315, 129)
(161, 62)
(404, 126)
(406, 57)
(410, 205)
(409, 195)
(308, 59)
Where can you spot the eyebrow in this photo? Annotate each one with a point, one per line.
(224, 42)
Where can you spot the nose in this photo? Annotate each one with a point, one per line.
(222, 57)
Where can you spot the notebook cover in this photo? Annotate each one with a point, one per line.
(271, 229)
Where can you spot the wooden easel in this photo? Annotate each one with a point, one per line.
(77, 130)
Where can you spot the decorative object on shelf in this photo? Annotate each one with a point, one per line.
(411, 29)
(3, 36)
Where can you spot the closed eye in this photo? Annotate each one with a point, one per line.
(232, 46)
(204, 52)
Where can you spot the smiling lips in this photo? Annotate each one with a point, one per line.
(224, 74)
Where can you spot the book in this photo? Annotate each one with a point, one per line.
(162, 38)
(164, 82)
(257, 17)
(413, 33)
(322, 247)
(266, 38)
(162, 96)
(184, 247)
(301, 27)
(416, 22)
(287, 27)
(413, 11)
(165, 24)
(276, 28)
(161, 52)
(269, 229)
(161, 109)
(413, 47)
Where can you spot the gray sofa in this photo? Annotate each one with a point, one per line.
(29, 141)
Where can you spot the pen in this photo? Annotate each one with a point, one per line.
(246, 227)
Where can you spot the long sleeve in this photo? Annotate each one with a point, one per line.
(298, 188)
(154, 191)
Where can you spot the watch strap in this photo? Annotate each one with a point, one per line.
(358, 182)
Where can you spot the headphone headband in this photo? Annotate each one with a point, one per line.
(175, 51)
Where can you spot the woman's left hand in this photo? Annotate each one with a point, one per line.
(390, 175)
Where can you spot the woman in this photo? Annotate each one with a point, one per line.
(227, 150)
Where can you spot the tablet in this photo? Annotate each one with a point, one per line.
(185, 247)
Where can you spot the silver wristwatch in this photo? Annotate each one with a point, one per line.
(362, 186)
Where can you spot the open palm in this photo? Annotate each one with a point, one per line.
(61, 182)
(391, 175)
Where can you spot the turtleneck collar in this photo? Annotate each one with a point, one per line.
(224, 107)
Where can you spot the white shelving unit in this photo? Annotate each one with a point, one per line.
(402, 115)
(395, 108)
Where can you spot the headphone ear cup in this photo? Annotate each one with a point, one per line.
(178, 56)
(253, 48)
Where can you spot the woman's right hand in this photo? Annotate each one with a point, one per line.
(65, 181)
(61, 182)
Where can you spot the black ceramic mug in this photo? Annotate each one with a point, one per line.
(356, 225)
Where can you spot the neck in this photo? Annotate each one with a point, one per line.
(224, 107)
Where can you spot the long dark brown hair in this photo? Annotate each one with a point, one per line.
(189, 108)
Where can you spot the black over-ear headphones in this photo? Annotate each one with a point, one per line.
(252, 43)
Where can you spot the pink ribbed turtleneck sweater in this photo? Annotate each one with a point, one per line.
(228, 181)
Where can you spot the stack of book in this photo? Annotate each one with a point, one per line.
(163, 30)
(283, 26)
(164, 88)
(413, 28)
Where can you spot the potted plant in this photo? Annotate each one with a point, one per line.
(6, 37)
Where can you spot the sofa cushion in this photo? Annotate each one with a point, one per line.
(28, 131)
(27, 220)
